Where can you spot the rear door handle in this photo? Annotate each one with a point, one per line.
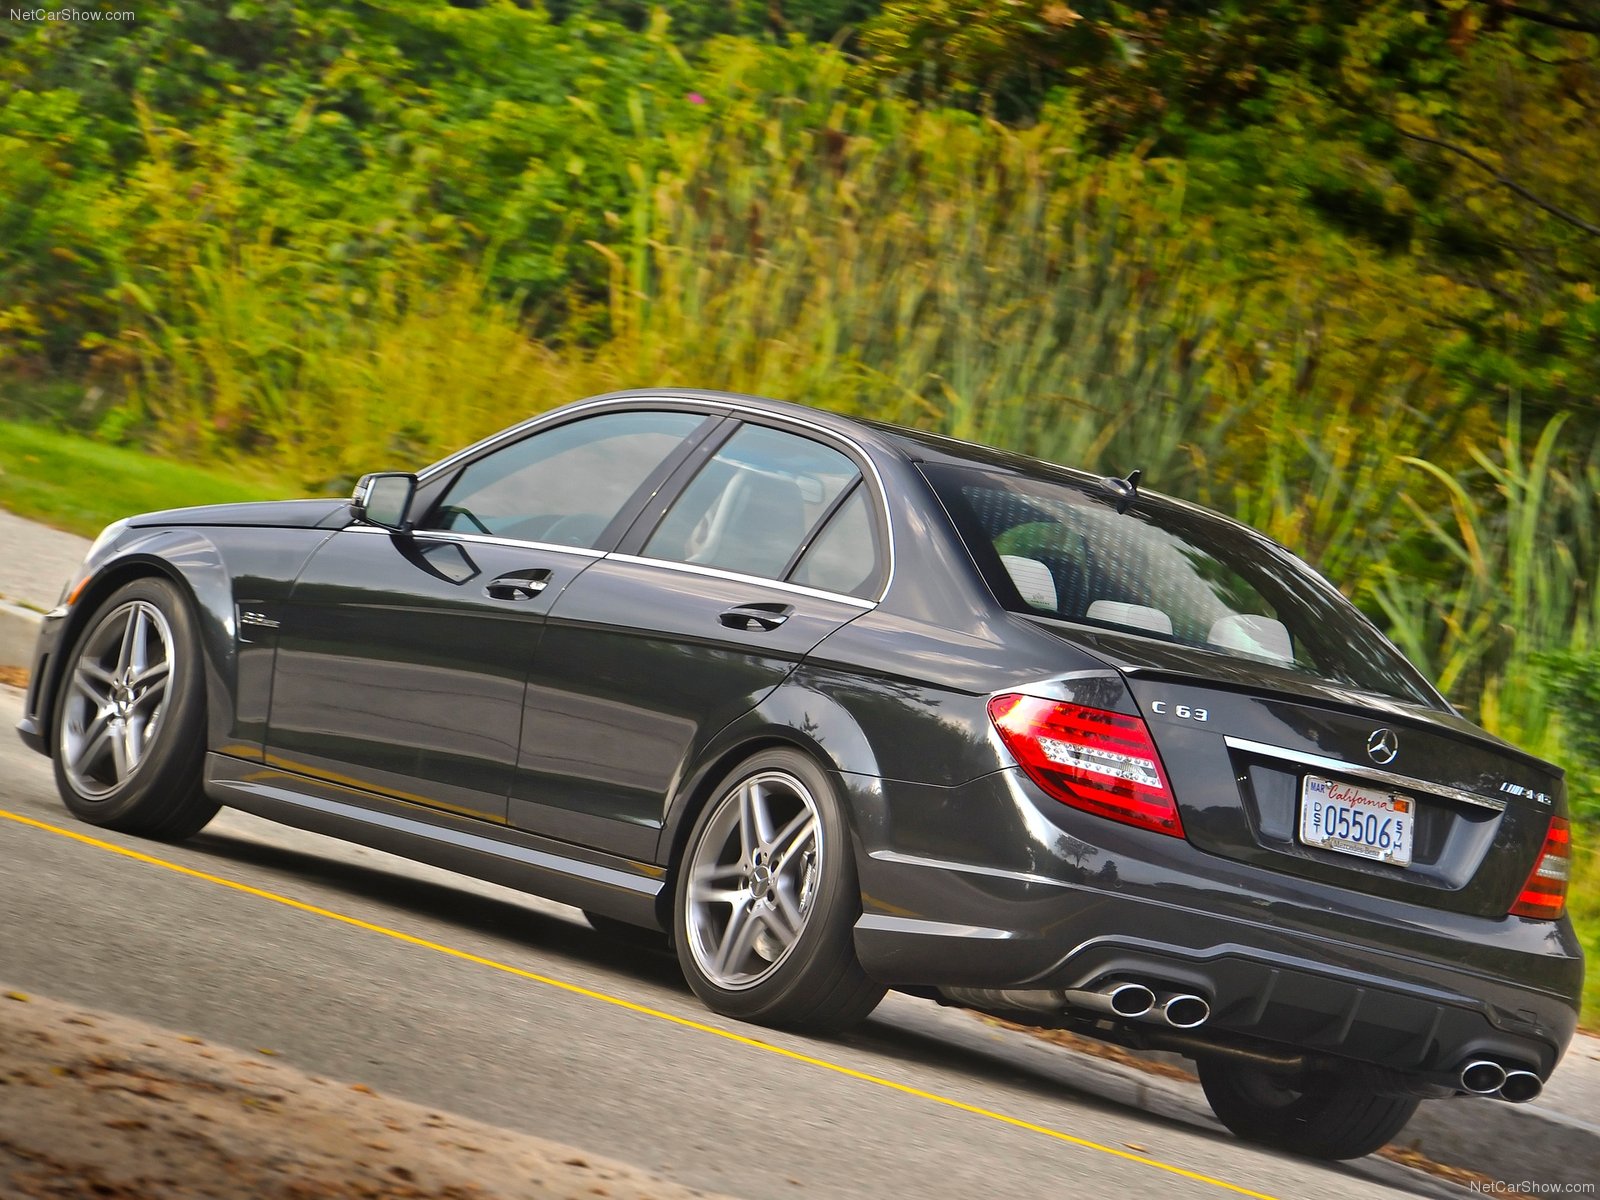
(523, 585)
(756, 617)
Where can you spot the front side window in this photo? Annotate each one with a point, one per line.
(562, 486)
(754, 504)
(1161, 571)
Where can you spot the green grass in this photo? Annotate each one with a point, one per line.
(72, 483)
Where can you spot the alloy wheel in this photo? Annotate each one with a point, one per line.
(753, 877)
(117, 694)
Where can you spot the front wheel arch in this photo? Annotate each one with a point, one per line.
(87, 604)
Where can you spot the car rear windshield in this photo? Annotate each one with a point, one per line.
(1159, 570)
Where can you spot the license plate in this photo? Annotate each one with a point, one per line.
(1356, 820)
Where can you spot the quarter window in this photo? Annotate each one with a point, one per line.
(843, 558)
(754, 504)
(565, 485)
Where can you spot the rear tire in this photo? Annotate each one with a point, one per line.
(128, 738)
(766, 901)
(1318, 1114)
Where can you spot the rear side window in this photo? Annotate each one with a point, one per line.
(754, 504)
(564, 485)
(1160, 571)
(844, 556)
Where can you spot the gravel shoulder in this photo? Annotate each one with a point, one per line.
(93, 1104)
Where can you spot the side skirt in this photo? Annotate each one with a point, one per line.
(601, 883)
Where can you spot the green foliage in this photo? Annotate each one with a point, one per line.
(1573, 679)
(43, 474)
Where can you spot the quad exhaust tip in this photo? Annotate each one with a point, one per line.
(1484, 1078)
(1184, 1011)
(1521, 1086)
(1130, 1000)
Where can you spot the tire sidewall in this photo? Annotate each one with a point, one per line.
(830, 928)
(179, 740)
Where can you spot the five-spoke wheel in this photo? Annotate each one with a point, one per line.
(767, 898)
(116, 694)
(129, 727)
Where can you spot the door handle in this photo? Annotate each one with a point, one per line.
(524, 585)
(756, 617)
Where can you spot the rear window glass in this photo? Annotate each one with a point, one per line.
(1159, 571)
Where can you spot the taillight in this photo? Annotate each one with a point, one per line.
(1545, 893)
(1102, 762)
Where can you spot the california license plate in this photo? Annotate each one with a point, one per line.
(1356, 820)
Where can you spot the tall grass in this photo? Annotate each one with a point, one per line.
(1521, 534)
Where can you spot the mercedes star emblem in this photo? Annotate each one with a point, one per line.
(1382, 746)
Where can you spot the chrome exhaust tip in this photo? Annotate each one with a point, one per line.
(1184, 1011)
(1130, 1000)
(1483, 1078)
(1521, 1086)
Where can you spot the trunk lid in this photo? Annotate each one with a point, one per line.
(1240, 739)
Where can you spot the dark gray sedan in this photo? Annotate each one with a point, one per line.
(843, 707)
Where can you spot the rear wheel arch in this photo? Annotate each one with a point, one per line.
(765, 892)
(691, 799)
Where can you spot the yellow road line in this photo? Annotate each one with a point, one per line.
(629, 1005)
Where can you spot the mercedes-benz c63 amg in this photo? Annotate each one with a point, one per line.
(843, 707)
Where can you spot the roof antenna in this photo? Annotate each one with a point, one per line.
(1125, 490)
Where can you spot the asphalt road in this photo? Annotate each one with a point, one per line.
(471, 998)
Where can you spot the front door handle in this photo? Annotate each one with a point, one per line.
(524, 585)
(756, 617)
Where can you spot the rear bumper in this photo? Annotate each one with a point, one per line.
(995, 885)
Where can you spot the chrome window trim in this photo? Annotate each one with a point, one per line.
(1339, 766)
(486, 539)
(711, 406)
(669, 564)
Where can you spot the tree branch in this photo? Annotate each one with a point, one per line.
(1554, 20)
(1559, 214)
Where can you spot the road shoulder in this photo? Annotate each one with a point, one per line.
(97, 1104)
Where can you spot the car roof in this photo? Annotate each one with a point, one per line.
(918, 445)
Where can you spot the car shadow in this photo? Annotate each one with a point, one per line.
(896, 1033)
(517, 924)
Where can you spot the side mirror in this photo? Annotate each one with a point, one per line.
(384, 499)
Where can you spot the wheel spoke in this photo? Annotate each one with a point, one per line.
(704, 884)
(755, 820)
(119, 752)
(91, 744)
(90, 670)
(785, 918)
(737, 935)
(794, 837)
(149, 700)
(130, 640)
(93, 689)
(133, 730)
(154, 675)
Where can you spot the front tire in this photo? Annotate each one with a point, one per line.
(1318, 1114)
(128, 739)
(766, 901)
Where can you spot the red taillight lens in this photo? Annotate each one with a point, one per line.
(1545, 893)
(1102, 762)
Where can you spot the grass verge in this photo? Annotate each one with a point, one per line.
(72, 483)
